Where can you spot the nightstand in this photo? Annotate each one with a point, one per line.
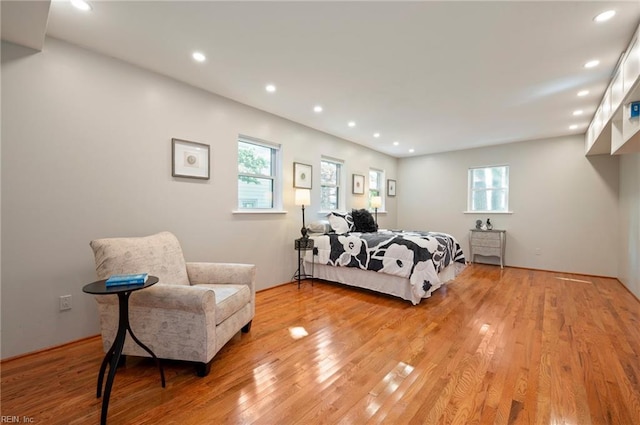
(487, 242)
(300, 245)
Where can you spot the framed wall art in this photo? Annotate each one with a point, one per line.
(358, 184)
(302, 175)
(391, 187)
(189, 159)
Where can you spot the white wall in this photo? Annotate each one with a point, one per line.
(563, 203)
(629, 245)
(86, 146)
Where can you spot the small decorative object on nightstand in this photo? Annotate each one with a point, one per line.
(489, 225)
(303, 244)
(488, 243)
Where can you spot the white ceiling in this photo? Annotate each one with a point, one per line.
(434, 76)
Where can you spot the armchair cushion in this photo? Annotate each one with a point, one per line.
(229, 299)
(159, 255)
(233, 284)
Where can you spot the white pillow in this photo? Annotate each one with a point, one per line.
(320, 226)
(341, 222)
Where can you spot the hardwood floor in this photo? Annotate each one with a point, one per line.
(494, 346)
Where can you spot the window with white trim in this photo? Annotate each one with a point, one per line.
(376, 185)
(330, 184)
(488, 189)
(259, 186)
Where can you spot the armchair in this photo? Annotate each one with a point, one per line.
(190, 314)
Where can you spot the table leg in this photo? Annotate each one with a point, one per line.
(148, 350)
(114, 353)
(299, 268)
(103, 366)
(313, 267)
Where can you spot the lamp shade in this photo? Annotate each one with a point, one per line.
(376, 202)
(303, 197)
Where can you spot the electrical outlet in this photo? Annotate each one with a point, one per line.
(65, 302)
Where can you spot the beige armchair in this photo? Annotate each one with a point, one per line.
(190, 314)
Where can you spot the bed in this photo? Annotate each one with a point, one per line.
(406, 264)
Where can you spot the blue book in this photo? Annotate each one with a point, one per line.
(127, 279)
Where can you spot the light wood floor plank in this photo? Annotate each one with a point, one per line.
(511, 346)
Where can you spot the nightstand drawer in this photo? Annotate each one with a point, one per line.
(484, 235)
(485, 250)
(494, 243)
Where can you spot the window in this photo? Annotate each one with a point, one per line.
(330, 178)
(258, 175)
(488, 189)
(376, 184)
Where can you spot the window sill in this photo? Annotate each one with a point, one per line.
(487, 212)
(259, 212)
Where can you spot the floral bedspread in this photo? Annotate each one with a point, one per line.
(419, 256)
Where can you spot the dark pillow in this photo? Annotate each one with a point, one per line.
(363, 221)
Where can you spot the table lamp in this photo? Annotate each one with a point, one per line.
(303, 197)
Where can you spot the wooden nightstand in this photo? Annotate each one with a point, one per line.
(488, 243)
(303, 244)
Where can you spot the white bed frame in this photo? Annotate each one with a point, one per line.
(379, 282)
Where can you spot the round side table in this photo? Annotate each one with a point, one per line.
(112, 357)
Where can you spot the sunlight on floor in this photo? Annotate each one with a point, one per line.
(298, 332)
(573, 280)
(388, 385)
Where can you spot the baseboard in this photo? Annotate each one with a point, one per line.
(278, 285)
(557, 271)
(546, 270)
(44, 350)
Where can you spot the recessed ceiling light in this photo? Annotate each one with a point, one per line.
(396, 143)
(412, 150)
(317, 108)
(578, 112)
(592, 63)
(583, 93)
(351, 123)
(573, 126)
(270, 88)
(376, 135)
(81, 4)
(198, 57)
(605, 16)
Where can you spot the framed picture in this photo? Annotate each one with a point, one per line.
(189, 159)
(302, 175)
(358, 184)
(391, 187)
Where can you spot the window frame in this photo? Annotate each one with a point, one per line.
(471, 190)
(275, 176)
(339, 182)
